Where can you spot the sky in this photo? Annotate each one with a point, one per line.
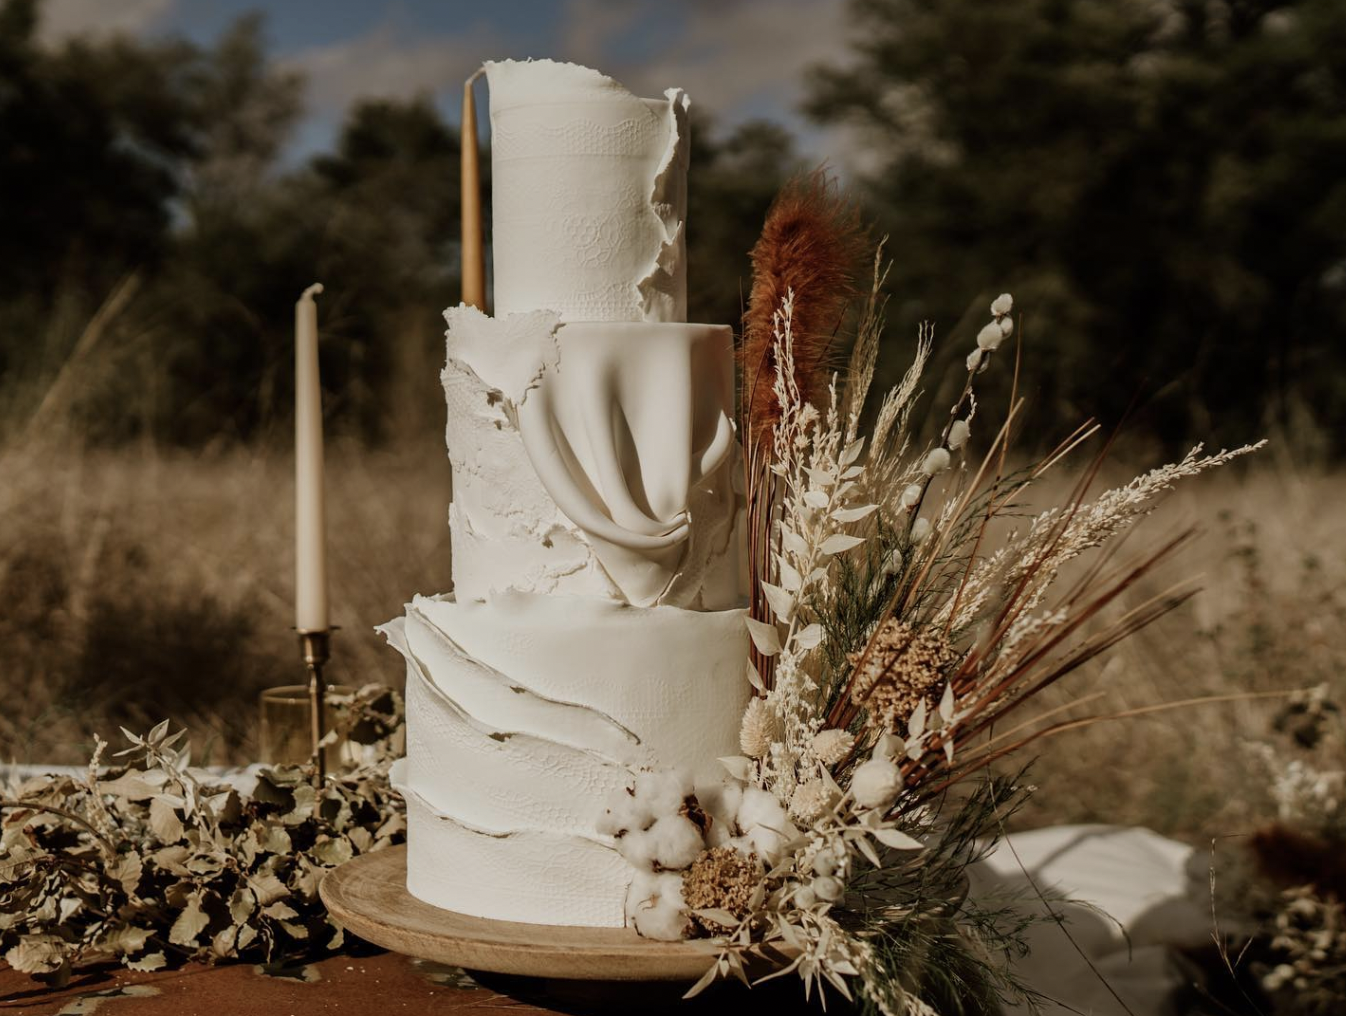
(739, 59)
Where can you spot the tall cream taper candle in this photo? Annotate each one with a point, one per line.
(309, 509)
(474, 256)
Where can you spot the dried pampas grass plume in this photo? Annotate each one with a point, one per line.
(813, 246)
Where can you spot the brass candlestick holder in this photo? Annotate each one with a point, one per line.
(315, 649)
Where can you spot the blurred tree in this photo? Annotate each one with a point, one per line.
(1159, 182)
(731, 182)
(92, 138)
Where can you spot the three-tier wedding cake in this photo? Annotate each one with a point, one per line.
(594, 628)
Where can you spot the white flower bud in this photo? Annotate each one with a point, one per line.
(912, 495)
(920, 531)
(976, 360)
(1007, 327)
(990, 337)
(825, 862)
(1002, 305)
(876, 783)
(936, 462)
(827, 888)
(805, 898)
(891, 747)
(958, 434)
(894, 563)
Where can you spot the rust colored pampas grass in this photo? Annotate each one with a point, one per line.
(813, 246)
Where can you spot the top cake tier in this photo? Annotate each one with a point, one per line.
(589, 195)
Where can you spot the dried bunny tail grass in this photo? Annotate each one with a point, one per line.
(812, 245)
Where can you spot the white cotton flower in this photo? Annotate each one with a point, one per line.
(912, 495)
(663, 792)
(828, 888)
(638, 848)
(755, 733)
(876, 783)
(720, 801)
(920, 531)
(676, 841)
(958, 434)
(936, 462)
(831, 746)
(976, 361)
(1007, 327)
(655, 906)
(1002, 305)
(764, 822)
(990, 337)
(810, 801)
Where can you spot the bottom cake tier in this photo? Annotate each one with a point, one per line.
(524, 715)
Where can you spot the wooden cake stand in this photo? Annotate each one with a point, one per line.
(368, 895)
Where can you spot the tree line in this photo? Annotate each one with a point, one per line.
(1160, 184)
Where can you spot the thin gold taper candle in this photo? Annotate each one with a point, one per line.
(310, 516)
(474, 256)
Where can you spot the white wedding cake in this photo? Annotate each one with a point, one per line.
(594, 629)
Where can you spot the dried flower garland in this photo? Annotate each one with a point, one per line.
(151, 863)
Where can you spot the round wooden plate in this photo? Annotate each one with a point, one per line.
(368, 895)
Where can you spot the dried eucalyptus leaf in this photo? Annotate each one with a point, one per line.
(148, 962)
(190, 923)
(267, 887)
(164, 820)
(37, 954)
(333, 850)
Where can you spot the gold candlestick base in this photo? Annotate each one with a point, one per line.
(315, 649)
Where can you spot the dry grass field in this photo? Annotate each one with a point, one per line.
(142, 583)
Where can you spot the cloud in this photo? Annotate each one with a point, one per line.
(740, 59)
(62, 19)
(385, 64)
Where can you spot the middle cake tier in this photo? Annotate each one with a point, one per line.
(593, 459)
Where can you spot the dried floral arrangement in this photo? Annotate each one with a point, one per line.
(1281, 899)
(890, 649)
(151, 862)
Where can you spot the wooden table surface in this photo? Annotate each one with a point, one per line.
(367, 982)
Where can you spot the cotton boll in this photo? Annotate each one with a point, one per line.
(990, 336)
(976, 360)
(720, 801)
(1006, 327)
(876, 783)
(676, 842)
(765, 824)
(827, 888)
(805, 897)
(1002, 305)
(912, 495)
(662, 792)
(623, 812)
(638, 848)
(936, 462)
(655, 906)
(920, 531)
(958, 434)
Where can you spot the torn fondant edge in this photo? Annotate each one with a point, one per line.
(508, 354)
(661, 277)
